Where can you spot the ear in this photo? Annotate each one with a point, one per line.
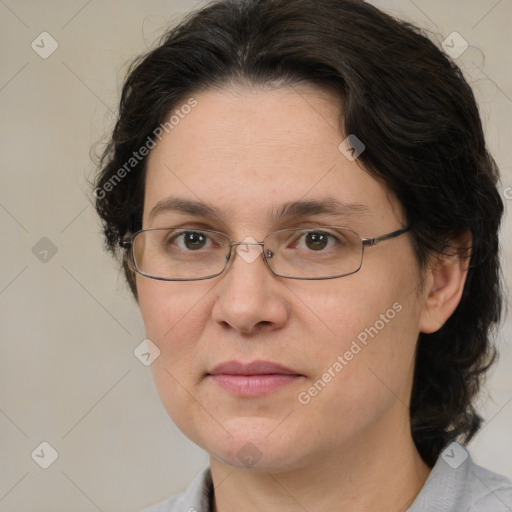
(443, 285)
(131, 278)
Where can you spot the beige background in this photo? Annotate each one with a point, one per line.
(68, 375)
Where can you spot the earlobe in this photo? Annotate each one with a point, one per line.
(443, 288)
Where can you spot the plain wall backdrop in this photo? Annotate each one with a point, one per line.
(68, 375)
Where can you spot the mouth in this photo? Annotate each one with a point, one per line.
(254, 379)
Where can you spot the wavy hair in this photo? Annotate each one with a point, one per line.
(415, 112)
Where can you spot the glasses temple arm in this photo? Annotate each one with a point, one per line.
(374, 241)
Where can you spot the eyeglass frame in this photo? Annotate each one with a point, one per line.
(127, 244)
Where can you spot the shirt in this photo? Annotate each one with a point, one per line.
(455, 484)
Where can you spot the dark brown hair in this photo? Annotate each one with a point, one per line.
(403, 98)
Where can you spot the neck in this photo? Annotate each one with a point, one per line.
(377, 476)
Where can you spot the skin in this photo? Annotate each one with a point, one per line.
(247, 151)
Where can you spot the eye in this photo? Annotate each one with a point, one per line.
(315, 241)
(189, 240)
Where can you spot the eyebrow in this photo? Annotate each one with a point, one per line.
(329, 206)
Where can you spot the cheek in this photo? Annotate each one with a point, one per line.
(365, 331)
(155, 308)
(165, 305)
(174, 316)
(342, 310)
(363, 372)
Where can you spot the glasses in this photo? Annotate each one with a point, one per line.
(189, 254)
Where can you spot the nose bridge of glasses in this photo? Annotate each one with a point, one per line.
(234, 244)
(248, 249)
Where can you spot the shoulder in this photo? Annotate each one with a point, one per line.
(196, 498)
(457, 484)
(488, 491)
(167, 505)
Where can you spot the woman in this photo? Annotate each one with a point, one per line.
(308, 217)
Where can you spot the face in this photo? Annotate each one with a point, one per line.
(347, 343)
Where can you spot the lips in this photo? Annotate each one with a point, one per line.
(253, 379)
(253, 368)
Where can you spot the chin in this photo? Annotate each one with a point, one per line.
(254, 444)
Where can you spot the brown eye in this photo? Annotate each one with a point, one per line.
(316, 240)
(188, 240)
(194, 240)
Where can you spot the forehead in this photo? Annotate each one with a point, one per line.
(246, 152)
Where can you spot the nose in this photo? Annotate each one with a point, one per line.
(250, 298)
